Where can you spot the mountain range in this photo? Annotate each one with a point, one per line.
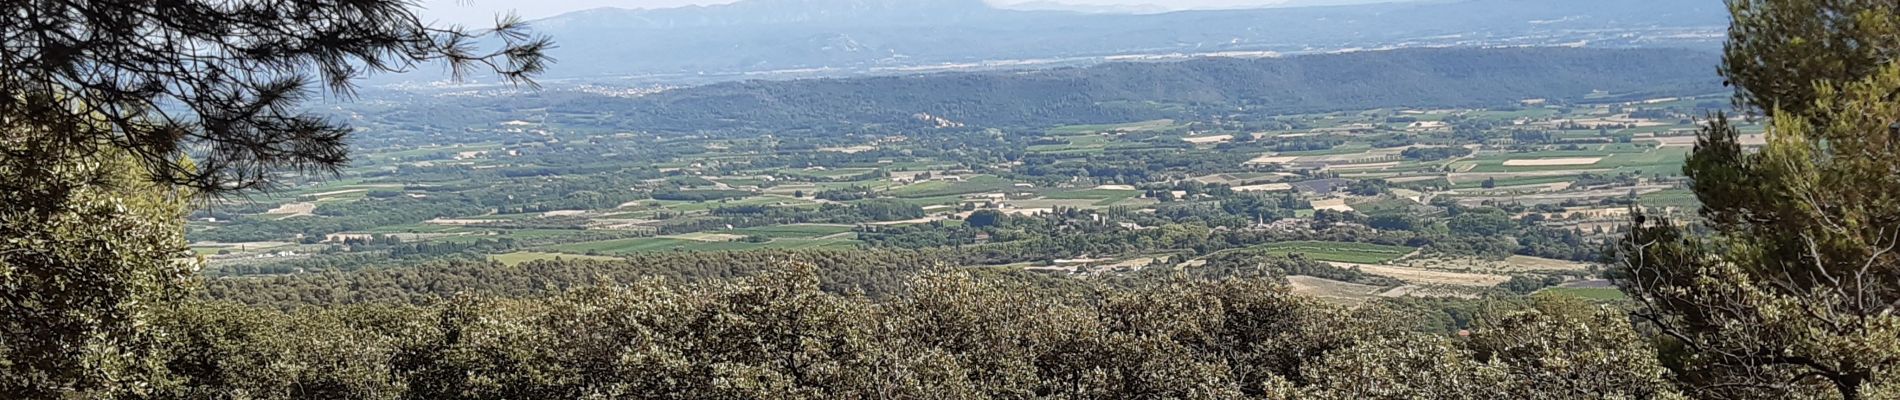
(1117, 92)
(845, 36)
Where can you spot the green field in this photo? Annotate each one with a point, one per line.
(804, 231)
(689, 206)
(1093, 194)
(935, 188)
(1102, 197)
(1509, 182)
(1359, 253)
(1133, 127)
(1079, 142)
(828, 173)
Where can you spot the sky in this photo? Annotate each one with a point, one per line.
(482, 12)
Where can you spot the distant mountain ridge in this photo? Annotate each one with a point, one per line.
(1125, 92)
(767, 35)
(766, 13)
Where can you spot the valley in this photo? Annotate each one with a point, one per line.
(1447, 201)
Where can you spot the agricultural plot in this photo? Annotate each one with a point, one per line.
(828, 173)
(1552, 162)
(1205, 140)
(771, 200)
(1528, 263)
(1097, 197)
(1513, 265)
(1240, 177)
(1045, 203)
(1428, 276)
(1128, 127)
(1093, 194)
(1508, 182)
(1265, 187)
(491, 192)
(1560, 197)
(800, 231)
(292, 210)
(1333, 291)
(972, 184)
(1363, 253)
(1332, 204)
(1073, 143)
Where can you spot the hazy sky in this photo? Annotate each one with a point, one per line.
(483, 11)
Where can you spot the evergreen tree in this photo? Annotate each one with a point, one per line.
(220, 81)
(1789, 289)
(114, 113)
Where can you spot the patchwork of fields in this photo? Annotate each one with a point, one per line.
(1285, 184)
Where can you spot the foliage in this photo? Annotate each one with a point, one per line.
(1125, 92)
(1790, 287)
(225, 83)
(88, 247)
(113, 113)
(947, 335)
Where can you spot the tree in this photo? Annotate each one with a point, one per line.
(1779, 50)
(87, 248)
(220, 81)
(986, 218)
(113, 114)
(1790, 286)
(1368, 187)
(1485, 222)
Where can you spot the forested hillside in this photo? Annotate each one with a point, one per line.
(1125, 92)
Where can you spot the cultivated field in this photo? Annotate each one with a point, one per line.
(1427, 276)
(1552, 162)
(1333, 291)
(1341, 251)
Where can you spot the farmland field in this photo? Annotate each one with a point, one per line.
(975, 184)
(1331, 290)
(794, 231)
(1220, 184)
(1360, 253)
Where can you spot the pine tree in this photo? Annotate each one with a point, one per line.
(220, 81)
(114, 114)
(1788, 286)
